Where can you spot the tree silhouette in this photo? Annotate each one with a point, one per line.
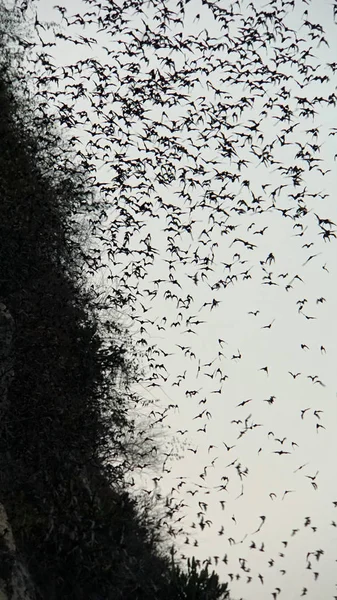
(70, 399)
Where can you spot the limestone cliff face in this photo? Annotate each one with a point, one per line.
(15, 583)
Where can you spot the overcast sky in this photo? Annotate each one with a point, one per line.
(277, 347)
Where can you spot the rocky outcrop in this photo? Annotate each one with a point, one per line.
(15, 583)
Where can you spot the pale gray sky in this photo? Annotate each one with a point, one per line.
(186, 381)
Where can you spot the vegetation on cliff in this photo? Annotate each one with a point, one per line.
(82, 533)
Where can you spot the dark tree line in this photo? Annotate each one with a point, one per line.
(72, 516)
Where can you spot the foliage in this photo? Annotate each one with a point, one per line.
(72, 515)
(196, 585)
